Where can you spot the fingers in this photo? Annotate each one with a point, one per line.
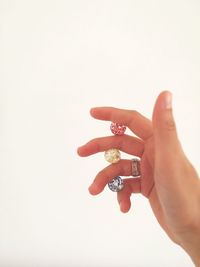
(132, 185)
(125, 143)
(123, 197)
(137, 123)
(123, 167)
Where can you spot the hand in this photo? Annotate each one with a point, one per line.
(167, 179)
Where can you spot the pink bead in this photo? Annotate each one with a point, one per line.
(117, 129)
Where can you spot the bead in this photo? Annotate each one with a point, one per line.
(117, 128)
(116, 184)
(112, 155)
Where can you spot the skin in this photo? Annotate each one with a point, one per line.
(168, 179)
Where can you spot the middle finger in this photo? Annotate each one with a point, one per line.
(125, 143)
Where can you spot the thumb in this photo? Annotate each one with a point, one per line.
(169, 156)
(174, 176)
(164, 128)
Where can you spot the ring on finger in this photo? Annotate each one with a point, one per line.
(135, 167)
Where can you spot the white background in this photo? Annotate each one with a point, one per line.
(57, 60)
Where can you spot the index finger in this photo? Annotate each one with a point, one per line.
(137, 123)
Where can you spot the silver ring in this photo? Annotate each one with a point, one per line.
(135, 167)
(116, 184)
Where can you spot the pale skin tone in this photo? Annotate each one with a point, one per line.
(168, 179)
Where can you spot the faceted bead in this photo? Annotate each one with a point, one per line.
(112, 155)
(116, 184)
(117, 128)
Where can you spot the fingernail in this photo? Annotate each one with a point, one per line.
(167, 101)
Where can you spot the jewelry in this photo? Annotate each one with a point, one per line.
(116, 184)
(112, 155)
(117, 128)
(135, 167)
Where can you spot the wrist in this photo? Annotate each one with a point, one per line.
(190, 238)
(194, 255)
(191, 244)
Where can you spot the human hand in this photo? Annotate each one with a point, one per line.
(167, 179)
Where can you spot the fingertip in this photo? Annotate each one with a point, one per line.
(99, 112)
(93, 111)
(125, 207)
(94, 189)
(165, 100)
(79, 151)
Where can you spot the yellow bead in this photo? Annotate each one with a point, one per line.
(112, 155)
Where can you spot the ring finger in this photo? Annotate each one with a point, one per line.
(123, 167)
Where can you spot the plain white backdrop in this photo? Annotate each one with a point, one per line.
(57, 60)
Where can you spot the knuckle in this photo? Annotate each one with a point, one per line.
(132, 115)
(170, 124)
(101, 174)
(135, 112)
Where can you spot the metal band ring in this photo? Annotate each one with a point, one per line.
(135, 167)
